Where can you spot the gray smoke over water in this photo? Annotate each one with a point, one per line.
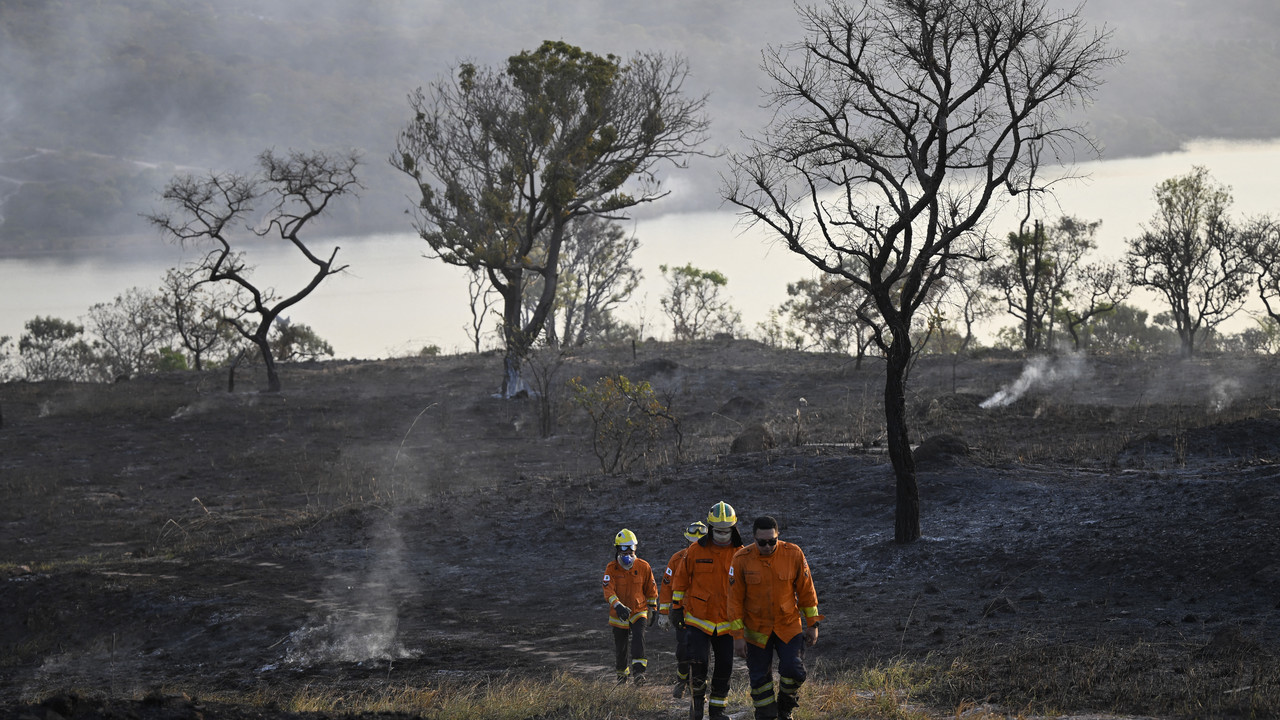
(1042, 372)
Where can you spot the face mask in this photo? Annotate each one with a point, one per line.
(627, 560)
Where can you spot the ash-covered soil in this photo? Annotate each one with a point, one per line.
(390, 522)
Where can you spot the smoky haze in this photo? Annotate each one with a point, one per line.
(101, 104)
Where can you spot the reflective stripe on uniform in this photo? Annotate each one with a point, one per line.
(706, 626)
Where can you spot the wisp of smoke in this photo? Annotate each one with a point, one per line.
(365, 624)
(353, 636)
(1042, 372)
(1223, 392)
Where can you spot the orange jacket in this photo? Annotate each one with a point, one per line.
(634, 588)
(768, 594)
(701, 584)
(665, 588)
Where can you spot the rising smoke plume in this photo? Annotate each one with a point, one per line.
(362, 619)
(1041, 372)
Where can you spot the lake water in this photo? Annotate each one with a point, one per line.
(393, 301)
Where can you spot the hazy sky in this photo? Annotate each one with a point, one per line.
(407, 43)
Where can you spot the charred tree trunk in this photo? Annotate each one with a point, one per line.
(513, 336)
(906, 519)
(269, 362)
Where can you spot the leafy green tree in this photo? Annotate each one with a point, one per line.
(897, 124)
(830, 311)
(55, 349)
(171, 359)
(1034, 269)
(297, 189)
(1262, 338)
(1193, 254)
(293, 342)
(694, 304)
(1124, 328)
(505, 160)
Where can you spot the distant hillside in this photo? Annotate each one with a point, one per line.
(102, 102)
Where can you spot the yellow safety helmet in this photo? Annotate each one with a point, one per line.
(625, 537)
(722, 516)
(696, 531)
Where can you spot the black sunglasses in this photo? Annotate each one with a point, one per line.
(767, 543)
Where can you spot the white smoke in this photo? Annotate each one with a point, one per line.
(1040, 372)
(1223, 392)
(363, 622)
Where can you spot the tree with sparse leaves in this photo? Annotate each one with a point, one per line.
(596, 277)
(1040, 271)
(131, 331)
(194, 309)
(1264, 251)
(827, 309)
(296, 188)
(694, 304)
(506, 159)
(1097, 289)
(1194, 255)
(898, 126)
(8, 364)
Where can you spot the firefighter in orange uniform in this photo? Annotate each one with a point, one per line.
(693, 533)
(771, 598)
(700, 604)
(632, 595)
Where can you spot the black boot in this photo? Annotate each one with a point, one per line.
(695, 710)
(718, 713)
(786, 704)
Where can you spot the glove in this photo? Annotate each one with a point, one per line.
(624, 612)
(677, 617)
(664, 622)
(653, 617)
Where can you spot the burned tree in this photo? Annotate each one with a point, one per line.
(296, 189)
(505, 159)
(898, 124)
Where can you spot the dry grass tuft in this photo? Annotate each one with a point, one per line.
(1230, 677)
(561, 696)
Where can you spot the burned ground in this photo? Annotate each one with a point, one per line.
(390, 522)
